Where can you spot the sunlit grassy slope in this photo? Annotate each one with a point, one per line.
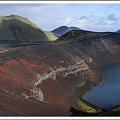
(21, 29)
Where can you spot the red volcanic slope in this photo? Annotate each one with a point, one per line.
(43, 80)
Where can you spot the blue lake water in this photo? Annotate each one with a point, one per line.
(107, 94)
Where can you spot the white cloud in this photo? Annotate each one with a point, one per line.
(95, 23)
(68, 20)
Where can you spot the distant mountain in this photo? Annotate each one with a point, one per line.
(118, 31)
(17, 28)
(63, 30)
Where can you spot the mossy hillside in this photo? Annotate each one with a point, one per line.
(85, 107)
(21, 29)
(22, 19)
(116, 109)
(51, 36)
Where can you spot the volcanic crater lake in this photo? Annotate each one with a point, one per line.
(106, 95)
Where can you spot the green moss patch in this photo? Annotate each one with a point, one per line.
(85, 107)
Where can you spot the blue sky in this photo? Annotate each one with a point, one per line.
(94, 17)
